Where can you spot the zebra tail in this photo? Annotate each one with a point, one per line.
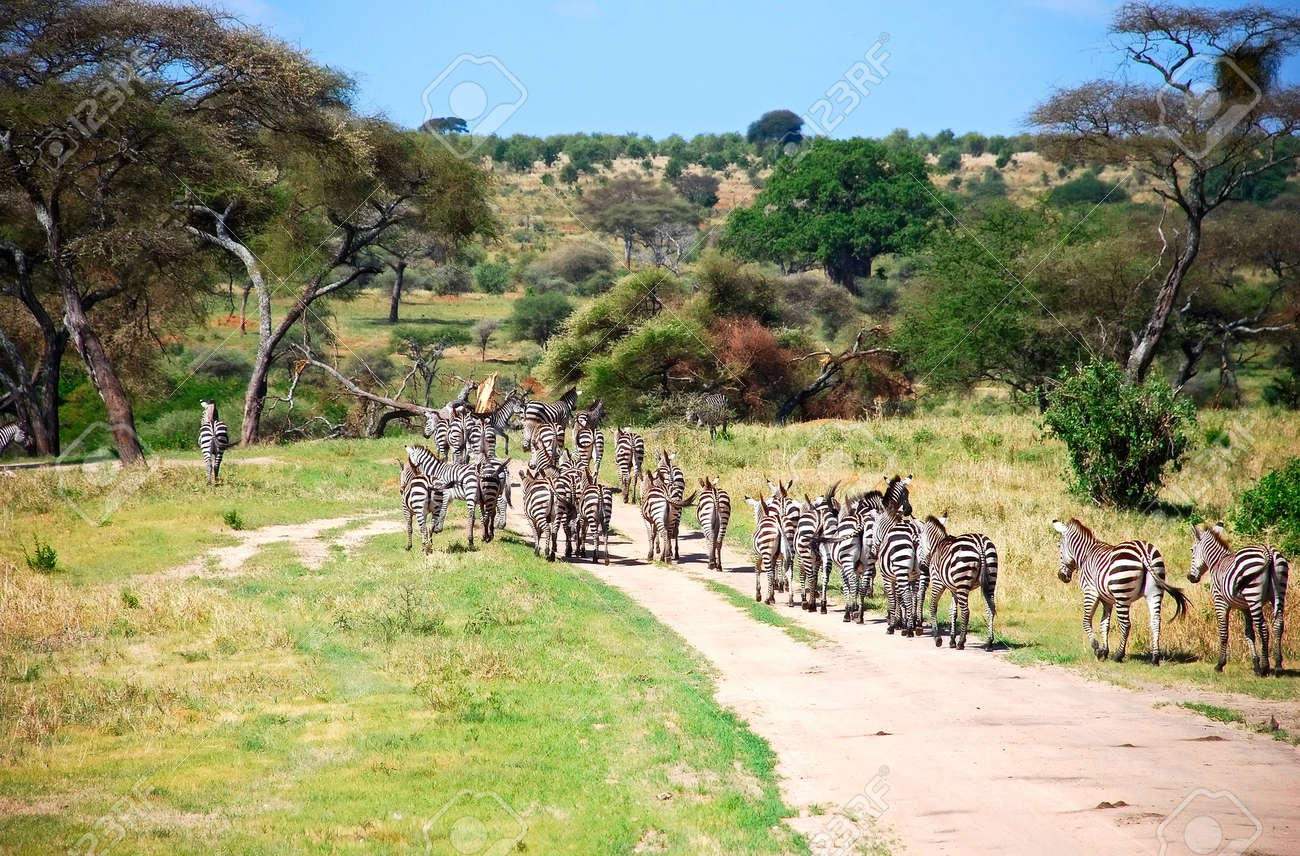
(1180, 600)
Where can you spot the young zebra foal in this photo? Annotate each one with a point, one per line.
(13, 434)
(422, 500)
(1247, 579)
(713, 510)
(767, 546)
(1116, 576)
(213, 440)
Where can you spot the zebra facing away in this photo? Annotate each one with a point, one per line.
(597, 509)
(1248, 580)
(1115, 576)
(541, 509)
(767, 545)
(629, 456)
(548, 412)
(713, 510)
(422, 500)
(14, 434)
(213, 440)
(958, 564)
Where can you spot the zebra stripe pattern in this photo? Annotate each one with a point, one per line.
(767, 546)
(1115, 576)
(548, 412)
(847, 556)
(213, 440)
(13, 434)
(629, 457)
(712, 412)
(542, 510)
(895, 542)
(675, 481)
(422, 500)
(588, 444)
(713, 511)
(958, 564)
(478, 485)
(597, 509)
(500, 417)
(1249, 580)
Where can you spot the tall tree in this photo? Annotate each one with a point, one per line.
(838, 205)
(639, 211)
(775, 126)
(1211, 116)
(105, 109)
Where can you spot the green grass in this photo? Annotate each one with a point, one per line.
(339, 709)
(1211, 711)
(766, 614)
(995, 473)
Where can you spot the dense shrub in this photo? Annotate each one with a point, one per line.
(577, 260)
(949, 160)
(222, 365)
(1120, 435)
(1271, 509)
(537, 317)
(598, 283)
(1284, 389)
(492, 277)
(701, 190)
(1087, 189)
(451, 279)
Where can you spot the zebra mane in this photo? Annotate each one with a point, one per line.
(1211, 532)
(1076, 523)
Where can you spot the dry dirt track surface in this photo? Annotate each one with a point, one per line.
(962, 751)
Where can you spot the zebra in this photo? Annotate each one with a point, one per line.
(767, 545)
(541, 509)
(460, 403)
(868, 508)
(14, 434)
(480, 437)
(958, 564)
(570, 481)
(597, 509)
(1116, 576)
(422, 500)
(629, 456)
(1247, 579)
(788, 510)
(458, 429)
(847, 555)
(437, 427)
(548, 412)
(501, 416)
(817, 518)
(588, 442)
(675, 480)
(711, 411)
(478, 485)
(213, 440)
(546, 446)
(894, 540)
(660, 507)
(713, 511)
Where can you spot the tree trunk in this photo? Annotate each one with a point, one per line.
(400, 270)
(627, 252)
(121, 420)
(844, 268)
(1144, 351)
(45, 417)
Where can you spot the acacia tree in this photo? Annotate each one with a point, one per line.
(105, 109)
(838, 205)
(347, 199)
(1211, 116)
(638, 211)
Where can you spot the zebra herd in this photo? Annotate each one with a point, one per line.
(797, 545)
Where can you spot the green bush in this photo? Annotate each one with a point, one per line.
(949, 160)
(538, 316)
(176, 429)
(233, 520)
(222, 365)
(1271, 509)
(42, 559)
(1284, 389)
(492, 277)
(1120, 435)
(1087, 189)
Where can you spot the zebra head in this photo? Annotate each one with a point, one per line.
(1208, 547)
(21, 437)
(209, 410)
(431, 418)
(1069, 558)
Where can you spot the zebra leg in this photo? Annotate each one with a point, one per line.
(650, 538)
(1153, 611)
(890, 603)
(936, 592)
(849, 586)
(963, 607)
(1089, 608)
(1105, 631)
(952, 623)
(1251, 622)
(1263, 642)
(1279, 624)
(826, 583)
(1221, 613)
(758, 577)
(990, 610)
(426, 535)
(1121, 613)
(770, 561)
(471, 522)
(408, 531)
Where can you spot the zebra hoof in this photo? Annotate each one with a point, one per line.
(758, 597)
(961, 646)
(848, 617)
(771, 600)
(1119, 658)
(408, 548)
(952, 642)
(1218, 667)
(889, 630)
(938, 641)
(859, 618)
(1155, 660)
(823, 609)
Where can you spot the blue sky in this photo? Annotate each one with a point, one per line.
(682, 67)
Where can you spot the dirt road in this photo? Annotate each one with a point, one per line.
(961, 751)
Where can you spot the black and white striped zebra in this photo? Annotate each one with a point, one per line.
(847, 556)
(477, 485)
(713, 511)
(675, 480)
(789, 511)
(545, 449)
(767, 545)
(213, 440)
(501, 416)
(480, 438)
(588, 441)
(712, 412)
(1251, 580)
(958, 564)
(1115, 576)
(542, 510)
(422, 501)
(868, 508)
(629, 457)
(13, 434)
(813, 547)
(660, 509)
(596, 512)
(894, 540)
(548, 412)
(437, 429)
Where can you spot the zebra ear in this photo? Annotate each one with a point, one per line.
(1218, 528)
(1058, 526)
(1196, 531)
(714, 481)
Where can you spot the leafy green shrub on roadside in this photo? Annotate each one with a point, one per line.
(1271, 509)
